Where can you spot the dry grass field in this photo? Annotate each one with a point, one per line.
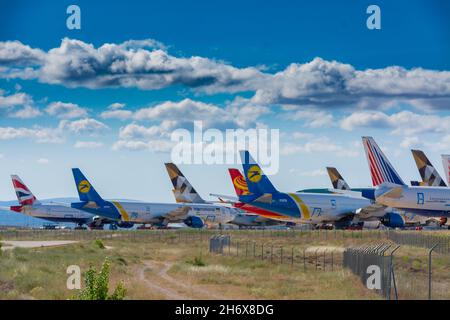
(179, 266)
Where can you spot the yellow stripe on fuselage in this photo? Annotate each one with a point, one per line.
(302, 206)
(122, 211)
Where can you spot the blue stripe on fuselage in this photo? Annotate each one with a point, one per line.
(105, 209)
(281, 203)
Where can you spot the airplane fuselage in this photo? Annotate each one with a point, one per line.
(140, 212)
(54, 213)
(310, 207)
(425, 201)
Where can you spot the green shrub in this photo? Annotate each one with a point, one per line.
(198, 261)
(99, 243)
(97, 285)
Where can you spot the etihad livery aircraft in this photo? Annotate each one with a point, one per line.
(393, 192)
(129, 213)
(313, 208)
(184, 192)
(30, 206)
(430, 176)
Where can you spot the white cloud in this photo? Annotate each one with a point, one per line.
(313, 118)
(117, 114)
(405, 123)
(38, 134)
(116, 105)
(147, 65)
(63, 110)
(83, 126)
(88, 144)
(26, 112)
(313, 173)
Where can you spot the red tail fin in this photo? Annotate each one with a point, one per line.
(239, 183)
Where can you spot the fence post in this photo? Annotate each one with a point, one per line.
(429, 270)
(391, 273)
(281, 258)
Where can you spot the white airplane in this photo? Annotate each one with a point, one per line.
(301, 207)
(393, 192)
(161, 214)
(53, 212)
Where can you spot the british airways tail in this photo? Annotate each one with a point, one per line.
(257, 181)
(86, 191)
(24, 195)
(336, 179)
(381, 169)
(183, 191)
(430, 176)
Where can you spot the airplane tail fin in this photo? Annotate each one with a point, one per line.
(336, 179)
(239, 183)
(183, 191)
(446, 164)
(257, 181)
(24, 195)
(381, 169)
(430, 176)
(86, 191)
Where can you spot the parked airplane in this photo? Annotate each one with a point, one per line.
(184, 192)
(53, 212)
(388, 217)
(430, 176)
(393, 192)
(314, 208)
(129, 213)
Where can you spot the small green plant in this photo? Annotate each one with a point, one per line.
(97, 285)
(99, 243)
(197, 261)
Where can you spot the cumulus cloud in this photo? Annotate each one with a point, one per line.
(27, 112)
(332, 84)
(117, 114)
(405, 123)
(64, 110)
(83, 126)
(38, 134)
(143, 64)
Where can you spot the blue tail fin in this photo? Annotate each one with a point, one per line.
(257, 181)
(86, 191)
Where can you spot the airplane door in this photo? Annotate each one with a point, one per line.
(420, 198)
(333, 204)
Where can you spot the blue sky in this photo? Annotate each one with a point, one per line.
(255, 56)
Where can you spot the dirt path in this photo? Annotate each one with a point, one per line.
(9, 245)
(176, 285)
(169, 293)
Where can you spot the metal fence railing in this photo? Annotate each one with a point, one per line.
(373, 267)
(416, 239)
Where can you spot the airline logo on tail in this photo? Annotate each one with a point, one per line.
(337, 180)
(428, 173)
(24, 194)
(84, 186)
(239, 183)
(381, 169)
(254, 173)
(183, 191)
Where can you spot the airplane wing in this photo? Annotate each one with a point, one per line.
(389, 191)
(374, 210)
(177, 214)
